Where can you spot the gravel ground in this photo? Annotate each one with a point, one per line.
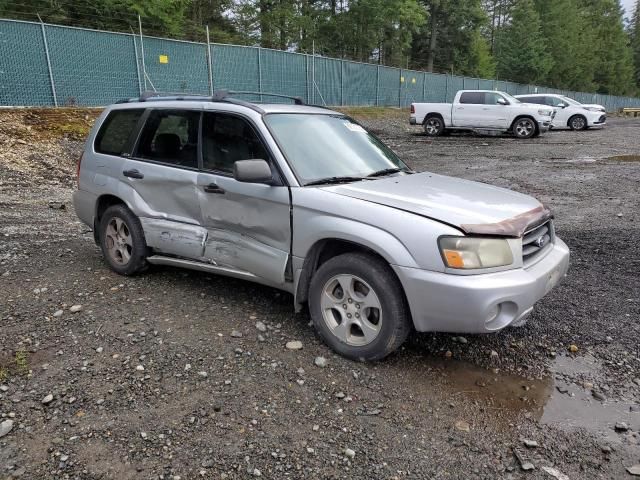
(180, 374)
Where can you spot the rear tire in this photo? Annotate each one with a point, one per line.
(358, 306)
(122, 240)
(578, 122)
(433, 125)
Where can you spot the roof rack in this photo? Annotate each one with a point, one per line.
(218, 96)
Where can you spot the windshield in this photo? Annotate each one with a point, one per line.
(510, 98)
(323, 146)
(571, 101)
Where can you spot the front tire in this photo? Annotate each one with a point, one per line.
(433, 125)
(122, 240)
(358, 306)
(524, 128)
(578, 122)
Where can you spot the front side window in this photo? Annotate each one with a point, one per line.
(323, 146)
(170, 136)
(492, 98)
(227, 139)
(115, 131)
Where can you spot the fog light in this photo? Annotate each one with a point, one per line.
(493, 313)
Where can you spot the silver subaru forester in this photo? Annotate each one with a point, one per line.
(306, 200)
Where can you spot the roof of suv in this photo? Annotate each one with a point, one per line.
(265, 107)
(191, 101)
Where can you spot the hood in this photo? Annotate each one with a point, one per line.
(593, 105)
(473, 207)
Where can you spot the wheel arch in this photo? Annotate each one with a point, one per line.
(434, 114)
(323, 250)
(586, 122)
(102, 203)
(530, 117)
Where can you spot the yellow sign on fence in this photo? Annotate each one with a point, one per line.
(164, 58)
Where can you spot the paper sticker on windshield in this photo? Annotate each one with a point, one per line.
(354, 127)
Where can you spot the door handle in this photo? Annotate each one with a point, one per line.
(133, 173)
(213, 188)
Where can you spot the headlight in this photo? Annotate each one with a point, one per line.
(473, 252)
(545, 113)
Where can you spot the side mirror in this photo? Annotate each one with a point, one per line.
(562, 105)
(502, 101)
(252, 171)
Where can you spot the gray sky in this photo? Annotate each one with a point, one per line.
(628, 6)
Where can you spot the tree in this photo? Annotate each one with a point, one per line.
(568, 39)
(448, 38)
(610, 51)
(635, 42)
(521, 49)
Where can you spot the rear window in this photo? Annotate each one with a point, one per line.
(115, 131)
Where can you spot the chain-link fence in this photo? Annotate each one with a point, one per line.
(52, 65)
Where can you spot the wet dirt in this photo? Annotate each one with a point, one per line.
(439, 408)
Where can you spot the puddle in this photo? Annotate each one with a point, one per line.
(575, 406)
(625, 158)
(554, 400)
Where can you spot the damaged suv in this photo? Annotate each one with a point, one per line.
(306, 200)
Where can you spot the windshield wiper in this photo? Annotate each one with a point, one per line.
(388, 171)
(330, 180)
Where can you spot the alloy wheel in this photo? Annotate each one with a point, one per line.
(524, 128)
(118, 241)
(351, 309)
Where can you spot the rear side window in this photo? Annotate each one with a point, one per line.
(476, 98)
(170, 136)
(115, 131)
(537, 100)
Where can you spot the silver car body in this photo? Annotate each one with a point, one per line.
(268, 234)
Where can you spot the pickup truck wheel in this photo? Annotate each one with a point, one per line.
(577, 122)
(433, 126)
(122, 240)
(358, 306)
(524, 128)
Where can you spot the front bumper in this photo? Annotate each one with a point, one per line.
(467, 303)
(544, 125)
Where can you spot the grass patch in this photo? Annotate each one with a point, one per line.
(22, 362)
(4, 373)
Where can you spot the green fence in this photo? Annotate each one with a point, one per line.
(52, 65)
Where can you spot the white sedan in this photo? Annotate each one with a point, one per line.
(569, 113)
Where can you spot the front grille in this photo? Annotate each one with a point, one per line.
(536, 241)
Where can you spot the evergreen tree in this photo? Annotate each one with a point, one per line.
(610, 51)
(568, 41)
(635, 42)
(450, 39)
(521, 49)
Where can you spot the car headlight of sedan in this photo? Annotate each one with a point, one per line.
(545, 113)
(475, 252)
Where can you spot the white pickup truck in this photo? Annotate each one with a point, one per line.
(483, 111)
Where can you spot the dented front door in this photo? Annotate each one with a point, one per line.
(248, 225)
